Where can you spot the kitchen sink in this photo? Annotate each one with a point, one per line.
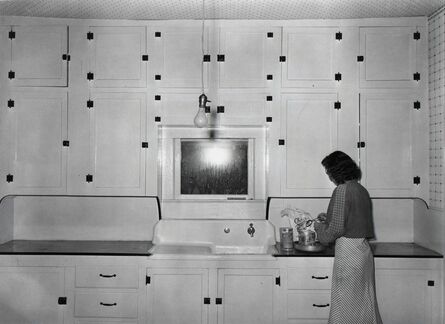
(213, 237)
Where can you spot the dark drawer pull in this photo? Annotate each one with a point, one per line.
(106, 304)
(107, 276)
(320, 278)
(316, 305)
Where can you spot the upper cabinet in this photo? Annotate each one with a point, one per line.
(177, 57)
(248, 57)
(117, 57)
(36, 123)
(38, 56)
(390, 57)
(310, 57)
(393, 154)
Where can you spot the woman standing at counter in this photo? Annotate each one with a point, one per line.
(348, 222)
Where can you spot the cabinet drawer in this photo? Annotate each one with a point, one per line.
(306, 304)
(112, 305)
(313, 278)
(107, 277)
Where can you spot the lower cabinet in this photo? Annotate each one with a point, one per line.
(408, 290)
(212, 295)
(32, 295)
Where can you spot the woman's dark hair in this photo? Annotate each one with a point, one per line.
(340, 167)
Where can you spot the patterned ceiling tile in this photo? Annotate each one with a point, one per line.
(220, 9)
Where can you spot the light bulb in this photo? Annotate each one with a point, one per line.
(200, 118)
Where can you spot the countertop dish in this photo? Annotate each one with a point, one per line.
(141, 248)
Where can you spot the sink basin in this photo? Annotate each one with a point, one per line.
(213, 236)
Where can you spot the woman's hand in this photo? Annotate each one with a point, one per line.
(321, 218)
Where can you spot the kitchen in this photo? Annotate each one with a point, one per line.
(80, 200)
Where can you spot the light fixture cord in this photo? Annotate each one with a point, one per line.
(202, 46)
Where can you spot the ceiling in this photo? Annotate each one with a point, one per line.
(219, 9)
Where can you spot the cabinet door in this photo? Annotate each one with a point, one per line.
(115, 56)
(389, 57)
(404, 296)
(30, 295)
(37, 129)
(311, 57)
(247, 56)
(177, 57)
(309, 129)
(177, 108)
(247, 296)
(37, 54)
(117, 130)
(386, 129)
(176, 295)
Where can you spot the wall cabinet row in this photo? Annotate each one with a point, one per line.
(167, 57)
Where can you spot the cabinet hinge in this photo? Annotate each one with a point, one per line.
(361, 144)
(269, 35)
(338, 36)
(220, 109)
(66, 143)
(278, 281)
(417, 105)
(157, 97)
(218, 301)
(11, 74)
(269, 98)
(338, 76)
(430, 283)
(144, 144)
(283, 58)
(416, 76)
(281, 142)
(416, 35)
(157, 34)
(147, 280)
(61, 301)
(157, 119)
(90, 104)
(268, 119)
(90, 76)
(145, 57)
(66, 57)
(9, 178)
(269, 77)
(207, 109)
(11, 103)
(206, 300)
(221, 58)
(11, 34)
(416, 180)
(90, 35)
(89, 178)
(158, 77)
(360, 58)
(337, 105)
(206, 58)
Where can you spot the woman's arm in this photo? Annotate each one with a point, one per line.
(328, 233)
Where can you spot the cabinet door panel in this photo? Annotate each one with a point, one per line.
(30, 294)
(311, 57)
(118, 128)
(386, 122)
(178, 108)
(249, 56)
(37, 56)
(182, 289)
(402, 296)
(242, 109)
(178, 57)
(115, 56)
(38, 126)
(310, 130)
(248, 296)
(389, 57)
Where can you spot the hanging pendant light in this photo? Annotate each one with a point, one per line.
(201, 117)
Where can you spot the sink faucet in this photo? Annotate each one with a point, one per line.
(251, 230)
